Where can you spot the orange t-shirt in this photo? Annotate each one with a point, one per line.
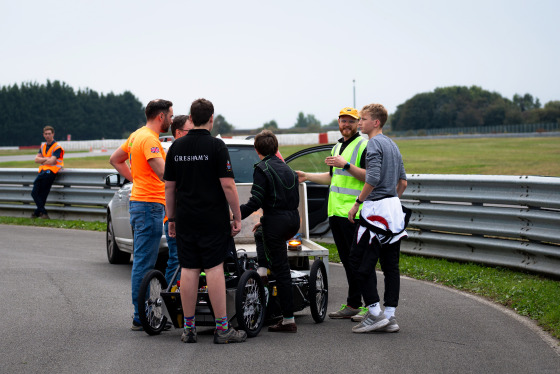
(141, 146)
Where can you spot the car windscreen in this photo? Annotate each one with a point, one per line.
(242, 161)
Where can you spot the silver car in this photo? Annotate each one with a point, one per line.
(243, 157)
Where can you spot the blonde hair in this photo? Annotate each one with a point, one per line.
(377, 111)
(47, 128)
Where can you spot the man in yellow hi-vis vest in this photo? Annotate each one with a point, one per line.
(346, 178)
(50, 158)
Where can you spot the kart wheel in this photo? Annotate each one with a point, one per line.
(150, 302)
(114, 254)
(250, 304)
(318, 291)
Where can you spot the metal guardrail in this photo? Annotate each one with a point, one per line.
(510, 221)
(76, 193)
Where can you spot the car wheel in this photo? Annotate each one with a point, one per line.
(114, 254)
(318, 291)
(150, 302)
(250, 304)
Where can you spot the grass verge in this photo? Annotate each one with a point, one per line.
(56, 223)
(529, 295)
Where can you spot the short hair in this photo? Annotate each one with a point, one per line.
(47, 128)
(201, 111)
(178, 123)
(377, 111)
(266, 143)
(155, 107)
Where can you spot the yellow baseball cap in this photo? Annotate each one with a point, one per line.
(349, 111)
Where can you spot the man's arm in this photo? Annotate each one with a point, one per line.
(366, 190)
(118, 160)
(339, 162)
(230, 190)
(158, 166)
(401, 186)
(319, 178)
(357, 172)
(170, 187)
(45, 160)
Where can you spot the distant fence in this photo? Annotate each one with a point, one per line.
(330, 137)
(501, 129)
(510, 221)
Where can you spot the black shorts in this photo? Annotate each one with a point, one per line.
(202, 251)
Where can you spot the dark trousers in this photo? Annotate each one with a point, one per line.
(41, 188)
(262, 260)
(276, 230)
(364, 257)
(343, 232)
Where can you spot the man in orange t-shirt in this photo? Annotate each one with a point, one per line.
(147, 201)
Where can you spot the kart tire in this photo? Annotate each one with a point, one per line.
(318, 291)
(250, 303)
(150, 302)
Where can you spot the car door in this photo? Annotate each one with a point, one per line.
(312, 160)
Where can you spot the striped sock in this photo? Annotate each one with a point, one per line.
(222, 324)
(188, 322)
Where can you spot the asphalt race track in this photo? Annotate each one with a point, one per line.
(67, 310)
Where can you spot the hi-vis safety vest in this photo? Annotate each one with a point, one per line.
(344, 187)
(59, 161)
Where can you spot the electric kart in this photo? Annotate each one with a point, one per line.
(250, 303)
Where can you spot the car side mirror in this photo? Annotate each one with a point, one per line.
(115, 180)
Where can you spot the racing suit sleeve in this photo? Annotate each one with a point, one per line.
(258, 191)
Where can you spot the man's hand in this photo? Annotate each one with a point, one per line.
(235, 226)
(257, 226)
(353, 211)
(335, 161)
(171, 229)
(302, 177)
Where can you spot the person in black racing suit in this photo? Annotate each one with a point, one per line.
(275, 190)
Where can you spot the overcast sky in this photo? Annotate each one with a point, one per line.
(263, 60)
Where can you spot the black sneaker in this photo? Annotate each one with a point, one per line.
(189, 335)
(230, 336)
(136, 325)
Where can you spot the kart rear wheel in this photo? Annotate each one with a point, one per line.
(250, 304)
(150, 302)
(318, 291)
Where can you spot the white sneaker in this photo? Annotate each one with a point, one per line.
(371, 323)
(392, 326)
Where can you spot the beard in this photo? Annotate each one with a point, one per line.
(348, 131)
(165, 126)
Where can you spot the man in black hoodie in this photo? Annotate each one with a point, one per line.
(275, 190)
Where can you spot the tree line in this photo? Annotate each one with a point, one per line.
(86, 114)
(459, 106)
(450, 107)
